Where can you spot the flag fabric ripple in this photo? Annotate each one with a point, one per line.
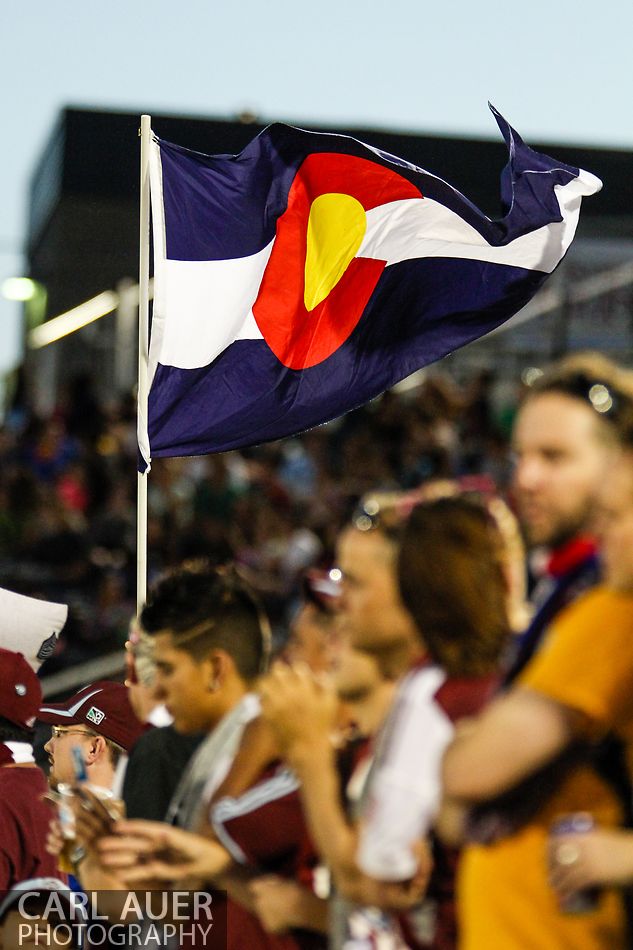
(306, 275)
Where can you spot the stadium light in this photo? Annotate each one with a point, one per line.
(74, 319)
(80, 316)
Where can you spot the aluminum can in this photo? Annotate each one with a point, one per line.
(582, 902)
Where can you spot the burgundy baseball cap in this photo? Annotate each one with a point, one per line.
(20, 689)
(103, 707)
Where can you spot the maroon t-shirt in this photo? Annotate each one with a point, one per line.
(24, 820)
(265, 829)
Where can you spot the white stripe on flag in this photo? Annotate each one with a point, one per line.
(412, 228)
(205, 306)
(201, 307)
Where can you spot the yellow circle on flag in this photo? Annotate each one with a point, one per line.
(336, 228)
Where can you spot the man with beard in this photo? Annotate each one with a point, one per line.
(516, 765)
(565, 442)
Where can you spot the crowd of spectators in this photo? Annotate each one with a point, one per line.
(440, 754)
(68, 496)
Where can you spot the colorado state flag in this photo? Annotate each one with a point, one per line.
(306, 275)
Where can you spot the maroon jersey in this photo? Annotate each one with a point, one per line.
(24, 820)
(265, 829)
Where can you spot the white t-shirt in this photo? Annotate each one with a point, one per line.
(404, 788)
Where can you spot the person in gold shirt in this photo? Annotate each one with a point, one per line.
(577, 690)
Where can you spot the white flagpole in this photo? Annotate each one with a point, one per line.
(143, 357)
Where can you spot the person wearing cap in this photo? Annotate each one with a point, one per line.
(24, 816)
(101, 722)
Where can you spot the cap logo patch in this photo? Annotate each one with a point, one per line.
(20, 689)
(95, 715)
(47, 648)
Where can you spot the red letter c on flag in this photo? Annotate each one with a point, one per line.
(314, 288)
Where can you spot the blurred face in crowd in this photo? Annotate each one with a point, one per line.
(616, 524)
(185, 685)
(371, 612)
(310, 638)
(561, 460)
(355, 674)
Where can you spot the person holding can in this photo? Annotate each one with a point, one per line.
(582, 861)
(576, 691)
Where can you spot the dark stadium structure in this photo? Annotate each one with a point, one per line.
(83, 231)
